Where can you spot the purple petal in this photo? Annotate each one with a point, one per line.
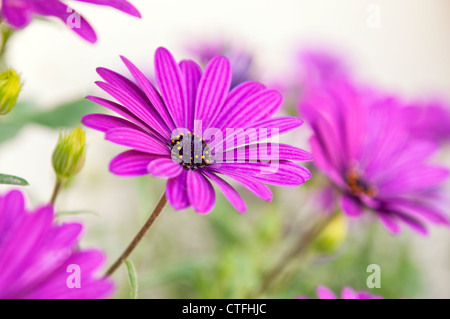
(129, 95)
(164, 167)
(257, 107)
(16, 14)
(390, 222)
(192, 74)
(212, 90)
(325, 293)
(235, 97)
(136, 140)
(351, 207)
(119, 109)
(131, 163)
(121, 5)
(12, 209)
(283, 173)
(151, 92)
(267, 152)
(200, 192)
(104, 122)
(257, 188)
(176, 191)
(348, 293)
(65, 13)
(230, 193)
(172, 86)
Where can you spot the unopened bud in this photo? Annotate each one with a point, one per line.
(9, 90)
(332, 235)
(68, 156)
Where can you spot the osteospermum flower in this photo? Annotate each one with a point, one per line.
(362, 144)
(242, 62)
(162, 130)
(346, 293)
(19, 13)
(39, 258)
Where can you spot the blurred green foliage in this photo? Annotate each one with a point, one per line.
(25, 113)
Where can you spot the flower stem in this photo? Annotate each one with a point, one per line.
(302, 244)
(56, 190)
(159, 207)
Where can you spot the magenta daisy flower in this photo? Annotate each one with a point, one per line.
(361, 143)
(168, 132)
(19, 13)
(39, 258)
(347, 293)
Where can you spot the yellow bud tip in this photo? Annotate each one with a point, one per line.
(9, 90)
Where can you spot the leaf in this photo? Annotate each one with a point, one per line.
(132, 279)
(12, 180)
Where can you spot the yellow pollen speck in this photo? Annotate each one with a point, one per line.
(206, 152)
(181, 156)
(196, 156)
(203, 157)
(207, 161)
(173, 141)
(178, 142)
(179, 148)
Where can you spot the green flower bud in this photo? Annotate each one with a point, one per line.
(332, 236)
(9, 90)
(68, 156)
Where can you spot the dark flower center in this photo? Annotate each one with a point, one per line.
(358, 186)
(190, 151)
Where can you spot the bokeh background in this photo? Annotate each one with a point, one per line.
(222, 254)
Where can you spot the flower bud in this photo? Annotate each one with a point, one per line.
(9, 90)
(332, 236)
(68, 156)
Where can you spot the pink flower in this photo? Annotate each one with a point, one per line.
(347, 293)
(39, 258)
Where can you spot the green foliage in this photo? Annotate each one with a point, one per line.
(65, 115)
(12, 180)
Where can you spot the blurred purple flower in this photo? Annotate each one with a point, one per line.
(347, 293)
(241, 60)
(19, 13)
(156, 128)
(35, 253)
(430, 121)
(363, 145)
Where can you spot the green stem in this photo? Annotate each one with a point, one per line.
(303, 243)
(56, 190)
(158, 209)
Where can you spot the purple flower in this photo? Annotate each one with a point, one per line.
(38, 256)
(241, 60)
(362, 144)
(347, 293)
(162, 130)
(19, 13)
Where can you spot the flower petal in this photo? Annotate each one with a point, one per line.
(121, 5)
(200, 192)
(351, 207)
(136, 140)
(172, 86)
(164, 167)
(192, 74)
(230, 193)
(176, 192)
(212, 90)
(131, 163)
(254, 186)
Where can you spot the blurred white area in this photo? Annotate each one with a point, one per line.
(408, 53)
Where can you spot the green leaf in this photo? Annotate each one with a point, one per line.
(132, 279)
(12, 180)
